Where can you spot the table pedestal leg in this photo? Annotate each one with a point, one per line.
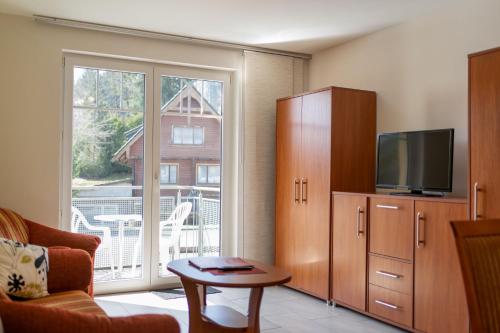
(254, 310)
(196, 297)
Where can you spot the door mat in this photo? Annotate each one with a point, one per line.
(179, 292)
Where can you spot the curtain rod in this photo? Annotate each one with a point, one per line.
(163, 36)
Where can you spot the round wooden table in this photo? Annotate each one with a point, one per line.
(218, 318)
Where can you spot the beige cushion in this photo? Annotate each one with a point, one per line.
(23, 269)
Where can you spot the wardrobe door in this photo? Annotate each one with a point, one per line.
(484, 135)
(440, 303)
(349, 250)
(288, 212)
(313, 240)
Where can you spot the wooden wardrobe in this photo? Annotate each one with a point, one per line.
(484, 134)
(325, 141)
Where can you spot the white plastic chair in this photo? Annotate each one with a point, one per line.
(175, 221)
(78, 218)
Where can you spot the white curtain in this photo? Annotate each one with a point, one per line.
(266, 78)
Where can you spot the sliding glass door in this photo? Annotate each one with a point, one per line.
(142, 166)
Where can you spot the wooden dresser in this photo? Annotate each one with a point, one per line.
(394, 258)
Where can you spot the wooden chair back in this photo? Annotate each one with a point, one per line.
(478, 245)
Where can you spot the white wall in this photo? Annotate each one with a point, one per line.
(418, 69)
(31, 98)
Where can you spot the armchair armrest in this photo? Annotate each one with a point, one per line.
(47, 236)
(54, 320)
(70, 269)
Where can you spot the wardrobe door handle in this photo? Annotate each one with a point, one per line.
(304, 189)
(296, 193)
(359, 211)
(419, 241)
(476, 189)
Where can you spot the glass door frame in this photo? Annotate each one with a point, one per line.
(231, 161)
(70, 62)
(226, 163)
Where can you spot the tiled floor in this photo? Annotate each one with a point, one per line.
(283, 311)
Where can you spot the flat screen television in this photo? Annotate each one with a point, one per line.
(417, 161)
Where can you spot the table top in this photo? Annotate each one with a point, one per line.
(119, 218)
(272, 275)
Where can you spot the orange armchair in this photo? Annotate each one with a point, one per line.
(69, 307)
(71, 255)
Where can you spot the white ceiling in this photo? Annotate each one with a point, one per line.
(291, 25)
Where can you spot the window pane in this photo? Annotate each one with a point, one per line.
(170, 86)
(164, 173)
(104, 156)
(133, 92)
(109, 89)
(187, 135)
(84, 86)
(198, 135)
(202, 174)
(173, 174)
(212, 92)
(184, 144)
(177, 135)
(214, 174)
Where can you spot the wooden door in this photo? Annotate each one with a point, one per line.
(484, 134)
(440, 302)
(288, 212)
(313, 240)
(349, 250)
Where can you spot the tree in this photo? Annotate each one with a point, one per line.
(170, 86)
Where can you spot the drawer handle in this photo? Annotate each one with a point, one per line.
(388, 305)
(387, 274)
(388, 207)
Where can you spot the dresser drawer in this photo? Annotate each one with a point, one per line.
(391, 227)
(390, 305)
(391, 274)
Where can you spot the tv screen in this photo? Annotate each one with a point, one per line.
(419, 161)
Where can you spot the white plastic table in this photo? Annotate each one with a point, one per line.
(122, 220)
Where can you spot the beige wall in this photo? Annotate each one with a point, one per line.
(31, 95)
(419, 70)
(267, 78)
(31, 98)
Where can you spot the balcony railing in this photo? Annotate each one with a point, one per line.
(200, 232)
